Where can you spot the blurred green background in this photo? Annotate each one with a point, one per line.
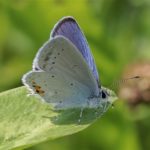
(118, 32)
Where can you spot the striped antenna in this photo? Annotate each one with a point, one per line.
(123, 81)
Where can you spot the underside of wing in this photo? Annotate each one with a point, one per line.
(59, 90)
(69, 28)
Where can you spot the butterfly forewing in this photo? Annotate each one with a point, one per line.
(64, 77)
(69, 28)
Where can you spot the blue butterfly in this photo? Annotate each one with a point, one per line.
(64, 73)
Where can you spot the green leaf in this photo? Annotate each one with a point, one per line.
(25, 120)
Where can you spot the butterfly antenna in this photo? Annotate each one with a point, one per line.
(123, 81)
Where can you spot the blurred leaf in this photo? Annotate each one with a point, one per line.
(25, 120)
(114, 131)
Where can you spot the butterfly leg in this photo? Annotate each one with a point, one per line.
(105, 107)
(81, 112)
(98, 112)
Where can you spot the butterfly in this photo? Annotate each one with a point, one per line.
(64, 73)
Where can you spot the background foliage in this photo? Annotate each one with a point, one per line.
(118, 33)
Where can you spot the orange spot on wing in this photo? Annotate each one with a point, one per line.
(38, 89)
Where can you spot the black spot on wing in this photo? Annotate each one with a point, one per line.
(36, 69)
(71, 84)
(56, 92)
(47, 58)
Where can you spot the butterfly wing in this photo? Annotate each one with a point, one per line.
(69, 28)
(64, 78)
(59, 90)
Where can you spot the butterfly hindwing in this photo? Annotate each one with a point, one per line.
(60, 90)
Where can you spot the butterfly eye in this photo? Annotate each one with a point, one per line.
(104, 95)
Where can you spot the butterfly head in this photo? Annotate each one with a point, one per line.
(107, 94)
